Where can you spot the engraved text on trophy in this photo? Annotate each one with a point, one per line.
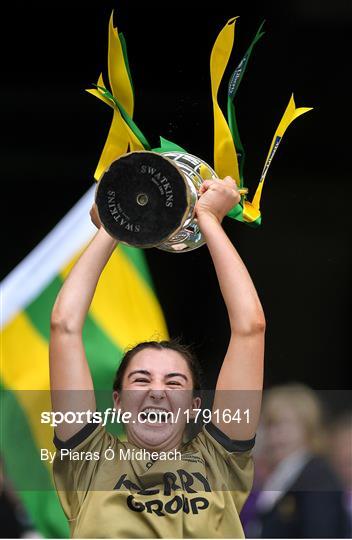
(119, 215)
(161, 182)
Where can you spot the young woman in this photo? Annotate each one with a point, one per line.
(171, 488)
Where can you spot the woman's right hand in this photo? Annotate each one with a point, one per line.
(217, 198)
(94, 216)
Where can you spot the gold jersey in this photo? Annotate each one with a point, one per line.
(109, 488)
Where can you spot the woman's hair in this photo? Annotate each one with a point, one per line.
(306, 404)
(172, 344)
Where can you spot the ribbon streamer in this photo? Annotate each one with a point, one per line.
(234, 83)
(251, 211)
(119, 76)
(123, 134)
(225, 157)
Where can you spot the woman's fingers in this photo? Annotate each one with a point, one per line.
(206, 184)
(217, 182)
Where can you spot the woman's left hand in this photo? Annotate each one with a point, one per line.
(217, 198)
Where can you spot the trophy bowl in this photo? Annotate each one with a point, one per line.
(147, 199)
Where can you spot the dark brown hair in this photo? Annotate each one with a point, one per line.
(173, 344)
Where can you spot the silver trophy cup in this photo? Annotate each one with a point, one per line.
(147, 199)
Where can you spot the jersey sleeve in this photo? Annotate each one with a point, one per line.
(230, 461)
(76, 463)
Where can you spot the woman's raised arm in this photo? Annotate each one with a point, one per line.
(240, 380)
(70, 379)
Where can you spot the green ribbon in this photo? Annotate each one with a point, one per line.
(125, 57)
(234, 83)
(233, 86)
(168, 146)
(133, 126)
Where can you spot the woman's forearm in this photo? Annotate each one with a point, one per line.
(76, 294)
(243, 305)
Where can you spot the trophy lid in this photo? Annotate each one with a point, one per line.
(142, 199)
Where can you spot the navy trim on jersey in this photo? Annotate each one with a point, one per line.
(77, 438)
(225, 441)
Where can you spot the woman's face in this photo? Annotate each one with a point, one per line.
(157, 390)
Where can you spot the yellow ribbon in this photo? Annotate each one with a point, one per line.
(225, 157)
(251, 211)
(120, 137)
(118, 75)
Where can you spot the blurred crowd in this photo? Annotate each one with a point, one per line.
(303, 473)
(303, 468)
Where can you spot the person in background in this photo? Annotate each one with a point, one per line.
(261, 470)
(340, 454)
(301, 496)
